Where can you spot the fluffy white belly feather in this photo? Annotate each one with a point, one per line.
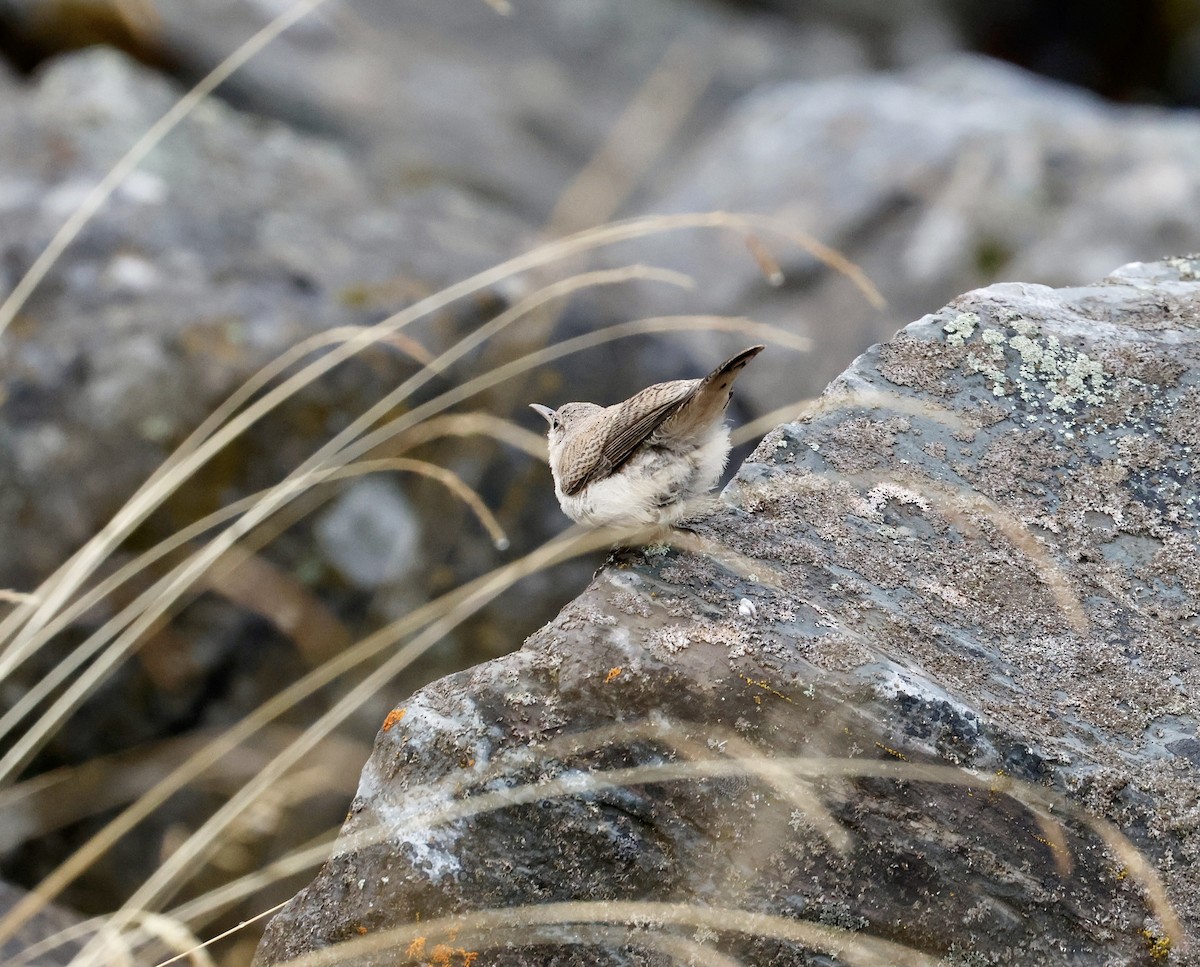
(652, 488)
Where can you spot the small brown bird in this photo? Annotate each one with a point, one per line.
(641, 461)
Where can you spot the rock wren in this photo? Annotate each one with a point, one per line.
(641, 461)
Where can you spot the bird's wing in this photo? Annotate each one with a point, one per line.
(611, 438)
(708, 402)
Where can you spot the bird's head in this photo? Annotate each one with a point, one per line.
(565, 418)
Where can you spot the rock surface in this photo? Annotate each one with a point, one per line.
(979, 552)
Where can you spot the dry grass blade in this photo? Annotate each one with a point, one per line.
(167, 590)
(17, 597)
(448, 479)
(785, 783)
(281, 364)
(405, 424)
(635, 140)
(155, 602)
(955, 503)
(408, 944)
(26, 620)
(175, 936)
(843, 399)
(259, 587)
(481, 424)
(475, 424)
(454, 609)
(760, 572)
(227, 933)
(142, 147)
(165, 593)
(1039, 800)
(60, 586)
(55, 799)
(444, 613)
(958, 505)
(681, 949)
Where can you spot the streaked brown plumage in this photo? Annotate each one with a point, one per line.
(640, 461)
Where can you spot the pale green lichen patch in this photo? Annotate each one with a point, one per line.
(988, 360)
(959, 329)
(1049, 374)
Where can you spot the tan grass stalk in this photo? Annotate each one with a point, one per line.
(256, 511)
(1040, 800)
(635, 141)
(445, 609)
(448, 479)
(467, 423)
(142, 147)
(165, 592)
(681, 949)
(473, 929)
(207, 441)
(56, 589)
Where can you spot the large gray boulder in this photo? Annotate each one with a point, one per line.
(959, 598)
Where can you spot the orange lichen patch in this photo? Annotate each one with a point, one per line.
(416, 949)
(361, 930)
(891, 751)
(394, 716)
(612, 673)
(443, 955)
(766, 687)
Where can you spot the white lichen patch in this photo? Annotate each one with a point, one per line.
(959, 329)
(1188, 267)
(430, 848)
(947, 593)
(674, 640)
(870, 507)
(1049, 374)
(525, 699)
(425, 728)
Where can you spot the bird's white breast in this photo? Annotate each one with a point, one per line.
(653, 487)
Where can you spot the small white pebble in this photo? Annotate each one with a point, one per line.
(747, 609)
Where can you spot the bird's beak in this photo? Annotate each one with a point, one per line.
(544, 410)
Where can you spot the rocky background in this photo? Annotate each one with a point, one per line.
(377, 153)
